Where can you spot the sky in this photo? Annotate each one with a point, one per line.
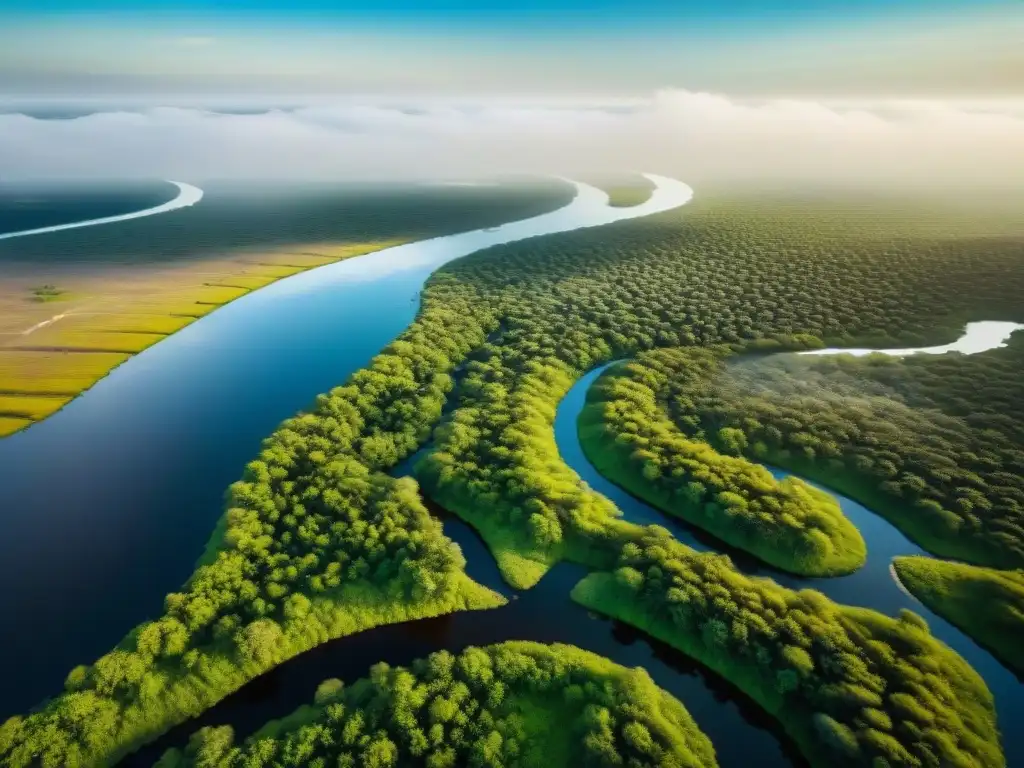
(921, 93)
(608, 48)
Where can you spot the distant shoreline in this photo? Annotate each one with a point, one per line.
(187, 195)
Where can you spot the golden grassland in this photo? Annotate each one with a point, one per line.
(53, 350)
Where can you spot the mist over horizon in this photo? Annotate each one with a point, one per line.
(701, 137)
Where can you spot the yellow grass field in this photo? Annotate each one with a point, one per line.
(53, 350)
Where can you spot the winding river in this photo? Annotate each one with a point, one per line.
(105, 506)
(205, 393)
(873, 586)
(187, 195)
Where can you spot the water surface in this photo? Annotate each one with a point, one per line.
(105, 506)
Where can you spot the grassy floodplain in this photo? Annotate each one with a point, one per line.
(74, 305)
(514, 704)
(985, 603)
(52, 351)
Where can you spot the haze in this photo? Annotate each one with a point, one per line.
(906, 92)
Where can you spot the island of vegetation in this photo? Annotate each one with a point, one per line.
(513, 704)
(628, 435)
(985, 603)
(850, 686)
(124, 288)
(626, 190)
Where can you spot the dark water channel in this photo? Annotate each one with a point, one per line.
(742, 734)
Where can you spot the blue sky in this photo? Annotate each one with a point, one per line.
(903, 47)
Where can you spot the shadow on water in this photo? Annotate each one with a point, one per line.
(543, 614)
(872, 586)
(742, 733)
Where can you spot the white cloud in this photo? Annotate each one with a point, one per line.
(697, 136)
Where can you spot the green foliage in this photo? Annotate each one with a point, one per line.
(629, 436)
(317, 542)
(720, 272)
(985, 603)
(852, 687)
(932, 442)
(513, 704)
(48, 292)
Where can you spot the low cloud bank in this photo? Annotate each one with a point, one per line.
(698, 136)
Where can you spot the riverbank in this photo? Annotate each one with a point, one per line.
(626, 433)
(108, 315)
(984, 603)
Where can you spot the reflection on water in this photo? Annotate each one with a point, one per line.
(107, 504)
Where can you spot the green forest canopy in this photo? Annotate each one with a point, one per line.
(513, 704)
(317, 542)
(628, 435)
(851, 687)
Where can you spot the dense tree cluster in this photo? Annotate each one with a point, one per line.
(627, 434)
(852, 687)
(514, 704)
(915, 438)
(719, 271)
(985, 390)
(985, 603)
(316, 543)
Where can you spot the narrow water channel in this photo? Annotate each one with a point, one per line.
(743, 734)
(872, 586)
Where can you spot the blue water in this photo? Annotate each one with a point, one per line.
(105, 506)
(872, 586)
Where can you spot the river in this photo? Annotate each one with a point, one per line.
(187, 195)
(359, 306)
(106, 505)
